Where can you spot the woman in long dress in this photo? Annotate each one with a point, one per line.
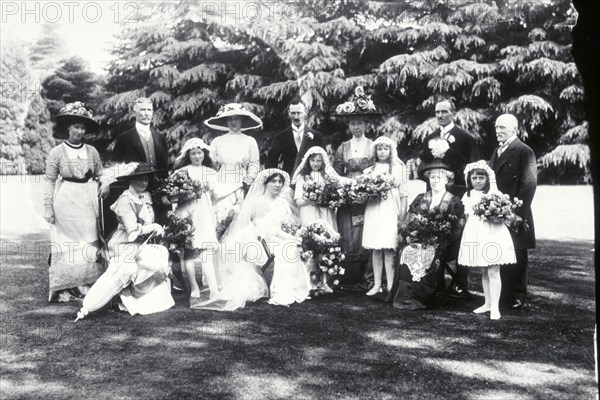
(71, 207)
(234, 154)
(255, 238)
(351, 159)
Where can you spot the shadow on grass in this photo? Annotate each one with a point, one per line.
(338, 346)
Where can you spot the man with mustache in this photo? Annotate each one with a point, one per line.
(288, 146)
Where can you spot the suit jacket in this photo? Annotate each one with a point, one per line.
(283, 149)
(464, 146)
(516, 176)
(128, 148)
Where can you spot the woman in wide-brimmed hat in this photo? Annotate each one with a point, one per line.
(351, 159)
(235, 154)
(71, 206)
(137, 271)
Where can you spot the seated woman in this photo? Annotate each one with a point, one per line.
(254, 237)
(137, 271)
(417, 272)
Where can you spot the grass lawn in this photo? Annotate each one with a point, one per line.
(337, 346)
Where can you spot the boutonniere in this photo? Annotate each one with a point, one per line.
(309, 135)
(451, 139)
(438, 147)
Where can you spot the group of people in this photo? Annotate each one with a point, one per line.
(264, 200)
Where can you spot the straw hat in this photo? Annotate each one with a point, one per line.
(219, 122)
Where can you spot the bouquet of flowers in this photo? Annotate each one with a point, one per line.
(428, 228)
(224, 220)
(338, 195)
(179, 187)
(313, 191)
(374, 187)
(321, 245)
(178, 233)
(422, 236)
(496, 207)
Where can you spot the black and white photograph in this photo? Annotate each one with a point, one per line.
(299, 199)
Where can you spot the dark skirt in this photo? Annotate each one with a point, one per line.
(350, 225)
(409, 295)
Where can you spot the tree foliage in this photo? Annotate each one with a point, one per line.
(489, 56)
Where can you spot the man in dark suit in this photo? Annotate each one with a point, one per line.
(289, 146)
(516, 175)
(139, 144)
(462, 150)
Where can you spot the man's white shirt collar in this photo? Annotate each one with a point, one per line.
(445, 129)
(298, 128)
(143, 130)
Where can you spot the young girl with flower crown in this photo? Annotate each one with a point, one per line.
(314, 167)
(195, 159)
(380, 232)
(484, 244)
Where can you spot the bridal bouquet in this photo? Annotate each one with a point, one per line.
(374, 187)
(224, 219)
(179, 187)
(321, 245)
(178, 233)
(496, 207)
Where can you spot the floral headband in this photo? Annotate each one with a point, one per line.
(483, 165)
(267, 173)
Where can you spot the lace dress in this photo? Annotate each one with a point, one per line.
(381, 217)
(309, 212)
(201, 210)
(237, 159)
(483, 243)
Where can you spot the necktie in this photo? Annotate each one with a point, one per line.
(298, 138)
(501, 148)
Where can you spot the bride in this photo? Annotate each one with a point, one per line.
(253, 239)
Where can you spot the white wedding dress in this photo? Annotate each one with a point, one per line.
(241, 255)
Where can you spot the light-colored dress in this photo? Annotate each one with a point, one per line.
(309, 212)
(483, 243)
(201, 210)
(74, 235)
(130, 260)
(291, 278)
(242, 255)
(381, 217)
(237, 160)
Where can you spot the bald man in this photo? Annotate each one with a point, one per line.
(516, 175)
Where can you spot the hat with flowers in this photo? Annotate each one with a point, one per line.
(77, 113)
(359, 104)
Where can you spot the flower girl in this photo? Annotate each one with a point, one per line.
(314, 167)
(381, 217)
(484, 244)
(195, 158)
